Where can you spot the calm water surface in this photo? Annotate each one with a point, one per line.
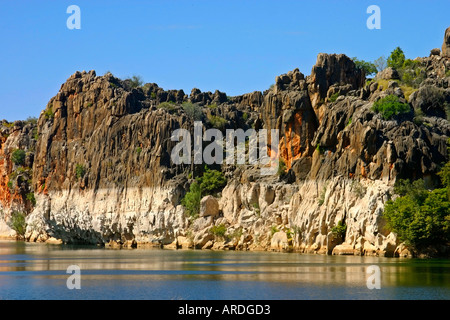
(38, 271)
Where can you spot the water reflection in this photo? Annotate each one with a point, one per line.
(192, 274)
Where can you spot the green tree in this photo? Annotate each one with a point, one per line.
(396, 59)
(18, 224)
(191, 200)
(368, 67)
(135, 81)
(419, 217)
(212, 181)
(18, 157)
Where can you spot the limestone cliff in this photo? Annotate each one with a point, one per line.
(98, 162)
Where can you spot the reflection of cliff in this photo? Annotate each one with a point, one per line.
(100, 168)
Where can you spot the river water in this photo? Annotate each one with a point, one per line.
(39, 271)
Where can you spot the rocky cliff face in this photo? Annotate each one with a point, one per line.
(98, 162)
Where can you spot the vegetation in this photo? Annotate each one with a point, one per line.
(211, 182)
(273, 230)
(390, 107)
(135, 81)
(321, 199)
(340, 229)
(192, 110)
(169, 106)
(191, 200)
(396, 59)
(138, 150)
(281, 167)
(358, 188)
(212, 106)
(217, 122)
(368, 67)
(421, 217)
(18, 224)
(334, 97)
(48, 113)
(218, 231)
(80, 171)
(18, 157)
(31, 198)
(320, 149)
(32, 120)
(380, 63)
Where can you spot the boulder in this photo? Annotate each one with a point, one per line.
(53, 240)
(435, 52)
(202, 237)
(279, 241)
(387, 74)
(209, 206)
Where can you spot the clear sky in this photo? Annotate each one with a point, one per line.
(235, 46)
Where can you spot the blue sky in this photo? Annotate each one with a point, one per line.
(235, 46)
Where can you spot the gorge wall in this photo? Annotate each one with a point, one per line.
(98, 162)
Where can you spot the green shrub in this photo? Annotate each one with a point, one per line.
(273, 230)
(31, 198)
(80, 171)
(32, 120)
(191, 200)
(396, 59)
(447, 73)
(390, 107)
(321, 199)
(340, 229)
(281, 167)
(334, 97)
(358, 188)
(349, 122)
(218, 231)
(17, 223)
(212, 106)
(212, 181)
(10, 184)
(217, 122)
(138, 150)
(153, 95)
(169, 106)
(18, 157)
(135, 81)
(192, 110)
(48, 113)
(320, 149)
